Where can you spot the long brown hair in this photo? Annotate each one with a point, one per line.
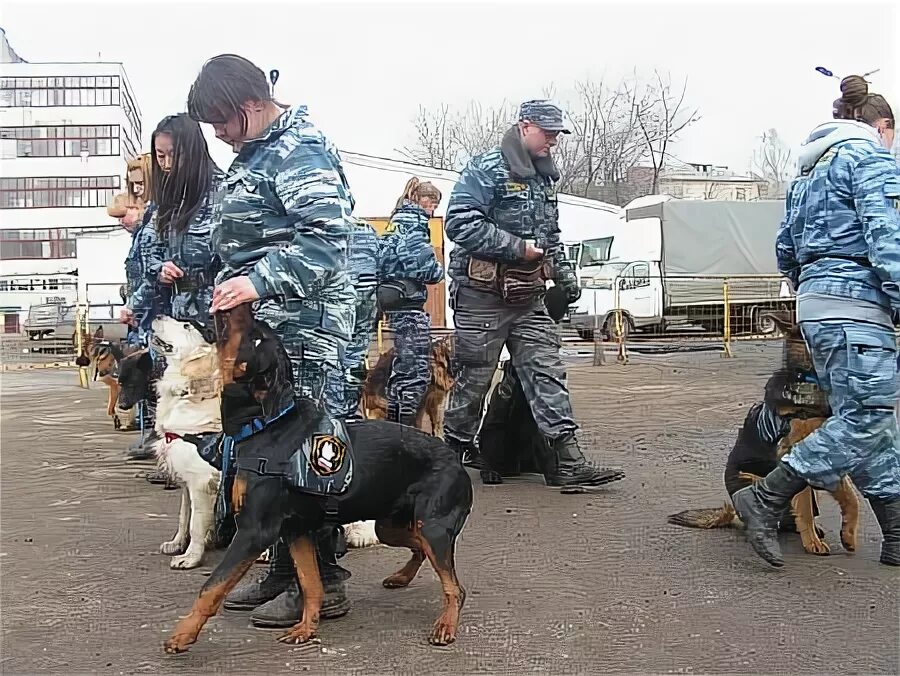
(143, 164)
(856, 103)
(416, 190)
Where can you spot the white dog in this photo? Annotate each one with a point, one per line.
(188, 403)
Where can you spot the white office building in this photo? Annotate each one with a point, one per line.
(66, 131)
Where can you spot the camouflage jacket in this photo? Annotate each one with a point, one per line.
(143, 264)
(363, 255)
(406, 251)
(286, 215)
(841, 231)
(501, 199)
(192, 252)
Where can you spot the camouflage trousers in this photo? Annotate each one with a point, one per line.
(345, 386)
(315, 340)
(857, 364)
(484, 324)
(410, 371)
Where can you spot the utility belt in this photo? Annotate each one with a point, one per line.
(517, 283)
(400, 294)
(859, 260)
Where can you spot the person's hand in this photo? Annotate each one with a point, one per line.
(233, 292)
(532, 253)
(126, 316)
(170, 272)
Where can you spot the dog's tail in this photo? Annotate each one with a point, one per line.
(721, 517)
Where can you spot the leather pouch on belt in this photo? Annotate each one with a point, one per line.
(483, 274)
(524, 283)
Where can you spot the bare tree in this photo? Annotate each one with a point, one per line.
(435, 144)
(662, 117)
(615, 128)
(773, 162)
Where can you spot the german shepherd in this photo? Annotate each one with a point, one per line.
(412, 484)
(104, 358)
(792, 408)
(432, 406)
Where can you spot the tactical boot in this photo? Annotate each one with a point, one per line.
(142, 448)
(762, 505)
(287, 608)
(279, 577)
(467, 452)
(568, 469)
(887, 512)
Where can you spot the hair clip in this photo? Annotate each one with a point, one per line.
(827, 73)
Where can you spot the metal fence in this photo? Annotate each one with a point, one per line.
(685, 313)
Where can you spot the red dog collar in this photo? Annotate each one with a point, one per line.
(171, 436)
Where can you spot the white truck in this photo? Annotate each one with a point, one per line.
(665, 261)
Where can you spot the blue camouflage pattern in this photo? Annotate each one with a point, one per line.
(142, 265)
(491, 214)
(286, 221)
(410, 370)
(193, 253)
(406, 252)
(345, 387)
(839, 244)
(545, 114)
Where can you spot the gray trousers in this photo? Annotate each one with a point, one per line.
(484, 324)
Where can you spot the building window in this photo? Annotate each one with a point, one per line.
(66, 141)
(43, 92)
(39, 193)
(54, 243)
(740, 194)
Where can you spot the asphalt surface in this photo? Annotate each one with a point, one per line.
(557, 583)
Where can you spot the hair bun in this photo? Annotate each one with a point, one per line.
(854, 90)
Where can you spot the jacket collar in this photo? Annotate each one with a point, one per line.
(521, 164)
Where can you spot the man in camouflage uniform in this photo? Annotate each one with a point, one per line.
(344, 388)
(503, 220)
(839, 244)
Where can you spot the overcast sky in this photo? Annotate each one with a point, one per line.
(364, 68)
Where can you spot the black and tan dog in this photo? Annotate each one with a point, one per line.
(792, 408)
(412, 484)
(104, 357)
(431, 410)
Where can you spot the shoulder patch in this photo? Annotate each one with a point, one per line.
(327, 454)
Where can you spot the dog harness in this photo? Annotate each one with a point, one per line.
(322, 466)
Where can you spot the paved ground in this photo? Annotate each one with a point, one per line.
(558, 584)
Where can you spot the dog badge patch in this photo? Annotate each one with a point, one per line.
(327, 454)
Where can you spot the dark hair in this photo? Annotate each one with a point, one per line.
(180, 193)
(225, 83)
(856, 103)
(415, 190)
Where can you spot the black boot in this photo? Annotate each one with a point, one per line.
(466, 451)
(762, 505)
(569, 469)
(887, 511)
(279, 577)
(286, 609)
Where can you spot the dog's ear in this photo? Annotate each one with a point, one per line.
(231, 328)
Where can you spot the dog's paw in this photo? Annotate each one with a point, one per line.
(361, 534)
(444, 631)
(299, 633)
(816, 547)
(179, 643)
(190, 559)
(172, 547)
(848, 537)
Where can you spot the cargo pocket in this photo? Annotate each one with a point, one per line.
(872, 368)
(472, 338)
